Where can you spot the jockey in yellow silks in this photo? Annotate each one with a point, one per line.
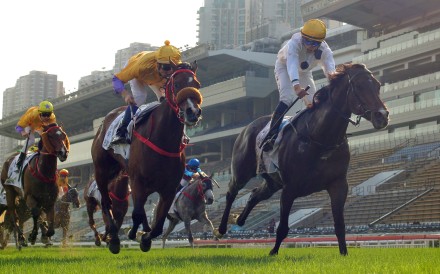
(33, 121)
(147, 68)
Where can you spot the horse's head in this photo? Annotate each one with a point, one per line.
(72, 196)
(183, 93)
(207, 189)
(363, 94)
(55, 141)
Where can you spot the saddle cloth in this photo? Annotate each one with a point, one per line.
(267, 162)
(94, 192)
(124, 149)
(13, 172)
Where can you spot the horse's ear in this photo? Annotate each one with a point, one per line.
(76, 186)
(194, 66)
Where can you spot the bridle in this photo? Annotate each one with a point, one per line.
(200, 189)
(171, 97)
(351, 89)
(172, 103)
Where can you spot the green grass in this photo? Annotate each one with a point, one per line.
(221, 260)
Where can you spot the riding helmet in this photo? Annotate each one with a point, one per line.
(167, 52)
(45, 106)
(64, 172)
(194, 163)
(314, 29)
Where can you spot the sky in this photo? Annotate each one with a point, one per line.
(73, 38)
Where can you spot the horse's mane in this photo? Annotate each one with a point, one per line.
(335, 78)
(184, 65)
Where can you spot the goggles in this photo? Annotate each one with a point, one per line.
(312, 43)
(166, 67)
(45, 114)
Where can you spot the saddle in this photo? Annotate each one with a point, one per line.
(267, 162)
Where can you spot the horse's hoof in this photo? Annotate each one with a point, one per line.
(145, 246)
(273, 252)
(114, 246)
(131, 235)
(232, 219)
(217, 234)
(98, 242)
(50, 233)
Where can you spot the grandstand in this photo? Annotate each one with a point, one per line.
(239, 87)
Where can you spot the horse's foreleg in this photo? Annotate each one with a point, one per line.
(188, 231)
(261, 193)
(92, 225)
(64, 241)
(35, 211)
(50, 213)
(286, 203)
(205, 220)
(230, 197)
(338, 195)
(171, 226)
(106, 206)
(161, 212)
(138, 215)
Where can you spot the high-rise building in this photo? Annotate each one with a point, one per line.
(122, 55)
(230, 24)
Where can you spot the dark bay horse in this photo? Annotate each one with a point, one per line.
(314, 152)
(157, 159)
(190, 205)
(39, 181)
(62, 211)
(119, 192)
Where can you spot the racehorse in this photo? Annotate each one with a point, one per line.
(190, 205)
(157, 158)
(39, 181)
(313, 153)
(119, 191)
(62, 211)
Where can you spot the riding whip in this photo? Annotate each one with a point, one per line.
(284, 113)
(25, 152)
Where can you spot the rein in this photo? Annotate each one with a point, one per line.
(113, 196)
(199, 191)
(37, 173)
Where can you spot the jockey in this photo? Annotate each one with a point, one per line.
(33, 121)
(147, 68)
(63, 182)
(192, 170)
(293, 70)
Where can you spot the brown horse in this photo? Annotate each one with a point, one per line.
(313, 153)
(190, 205)
(157, 159)
(119, 192)
(62, 211)
(39, 181)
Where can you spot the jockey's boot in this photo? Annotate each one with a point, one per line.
(20, 161)
(121, 133)
(277, 118)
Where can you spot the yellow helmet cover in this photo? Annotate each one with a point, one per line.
(167, 52)
(45, 106)
(314, 29)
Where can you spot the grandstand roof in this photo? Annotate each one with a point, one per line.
(371, 14)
